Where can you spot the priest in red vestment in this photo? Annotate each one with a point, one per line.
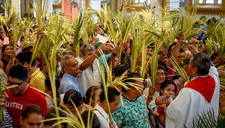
(199, 96)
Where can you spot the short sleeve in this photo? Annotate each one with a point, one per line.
(39, 82)
(41, 102)
(119, 114)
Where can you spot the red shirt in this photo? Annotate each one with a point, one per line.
(16, 104)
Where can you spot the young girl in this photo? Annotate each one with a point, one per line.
(168, 90)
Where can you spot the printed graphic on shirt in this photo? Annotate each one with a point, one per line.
(14, 105)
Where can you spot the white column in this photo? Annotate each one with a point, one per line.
(17, 5)
(49, 5)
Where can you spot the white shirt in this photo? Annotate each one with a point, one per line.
(88, 77)
(190, 103)
(103, 117)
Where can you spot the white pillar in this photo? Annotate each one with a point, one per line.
(49, 5)
(17, 5)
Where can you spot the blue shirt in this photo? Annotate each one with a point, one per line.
(69, 82)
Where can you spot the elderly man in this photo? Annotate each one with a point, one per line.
(71, 69)
(199, 96)
(195, 42)
(89, 76)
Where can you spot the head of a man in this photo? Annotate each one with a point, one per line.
(114, 99)
(86, 51)
(31, 117)
(199, 65)
(70, 65)
(24, 58)
(195, 42)
(18, 76)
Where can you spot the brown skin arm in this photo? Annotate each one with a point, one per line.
(114, 53)
(10, 64)
(138, 65)
(175, 51)
(150, 93)
(193, 51)
(8, 67)
(119, 125)
(1, 65)
(162, 118)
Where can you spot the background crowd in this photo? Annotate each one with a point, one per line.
(141, 97)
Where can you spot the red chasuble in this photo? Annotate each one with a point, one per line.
(204, 85)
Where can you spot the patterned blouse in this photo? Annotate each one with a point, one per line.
(134, 114)
(7, 119)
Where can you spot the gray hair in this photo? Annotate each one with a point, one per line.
(202, 62)
(64, 59)
(86, 47)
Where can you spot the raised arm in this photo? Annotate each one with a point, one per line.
(88, 61)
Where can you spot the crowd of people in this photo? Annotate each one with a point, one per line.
(79, 88)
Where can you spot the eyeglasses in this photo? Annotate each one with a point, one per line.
(158, 74)
(10, 83)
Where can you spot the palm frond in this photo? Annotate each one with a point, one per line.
(205, 120)
(179, 69)
(154, 62)
(78, 23)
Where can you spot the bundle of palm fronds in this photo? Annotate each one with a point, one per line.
(188, 21)
(213, 26)
(52, 41)
(119, 81)
(77, 25)
(208, 120)
(221, 39)
(180, 70)
(41, 8)
(169, 28)
(113, 33)
(211, 44)
(11, 12)
(125, 23)
(154, 62)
